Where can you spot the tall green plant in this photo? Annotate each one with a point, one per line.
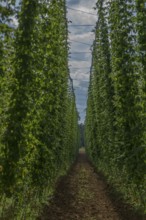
(41, 138)
(128, 123)
(115, 131)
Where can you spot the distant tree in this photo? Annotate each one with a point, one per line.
(81, 126)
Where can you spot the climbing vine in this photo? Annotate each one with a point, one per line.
(40, 137)
(115, 131)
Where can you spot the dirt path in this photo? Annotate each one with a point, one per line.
(83, 195)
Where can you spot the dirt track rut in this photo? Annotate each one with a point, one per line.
(84, 195)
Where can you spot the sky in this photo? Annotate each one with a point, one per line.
(80, 52)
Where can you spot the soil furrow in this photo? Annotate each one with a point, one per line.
(84, 195)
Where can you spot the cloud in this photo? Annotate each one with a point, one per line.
(73, 2)
(80, 53)
(14, 22)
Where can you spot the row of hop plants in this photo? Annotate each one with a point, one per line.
(39, 134)
(116, 110)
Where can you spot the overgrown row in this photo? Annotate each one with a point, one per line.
(38, 116)
(116, 112)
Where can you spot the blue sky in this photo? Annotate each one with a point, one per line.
(79, 62)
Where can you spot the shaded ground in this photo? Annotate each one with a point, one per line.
(84, 195)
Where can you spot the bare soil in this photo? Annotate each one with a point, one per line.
(84, 195)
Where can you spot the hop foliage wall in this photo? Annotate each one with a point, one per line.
(39, 135)
(116, 113)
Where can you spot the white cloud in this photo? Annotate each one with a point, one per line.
(80, 62)
(14, 22)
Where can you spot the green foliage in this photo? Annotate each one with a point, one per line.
(39, 136)
(115, 122)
